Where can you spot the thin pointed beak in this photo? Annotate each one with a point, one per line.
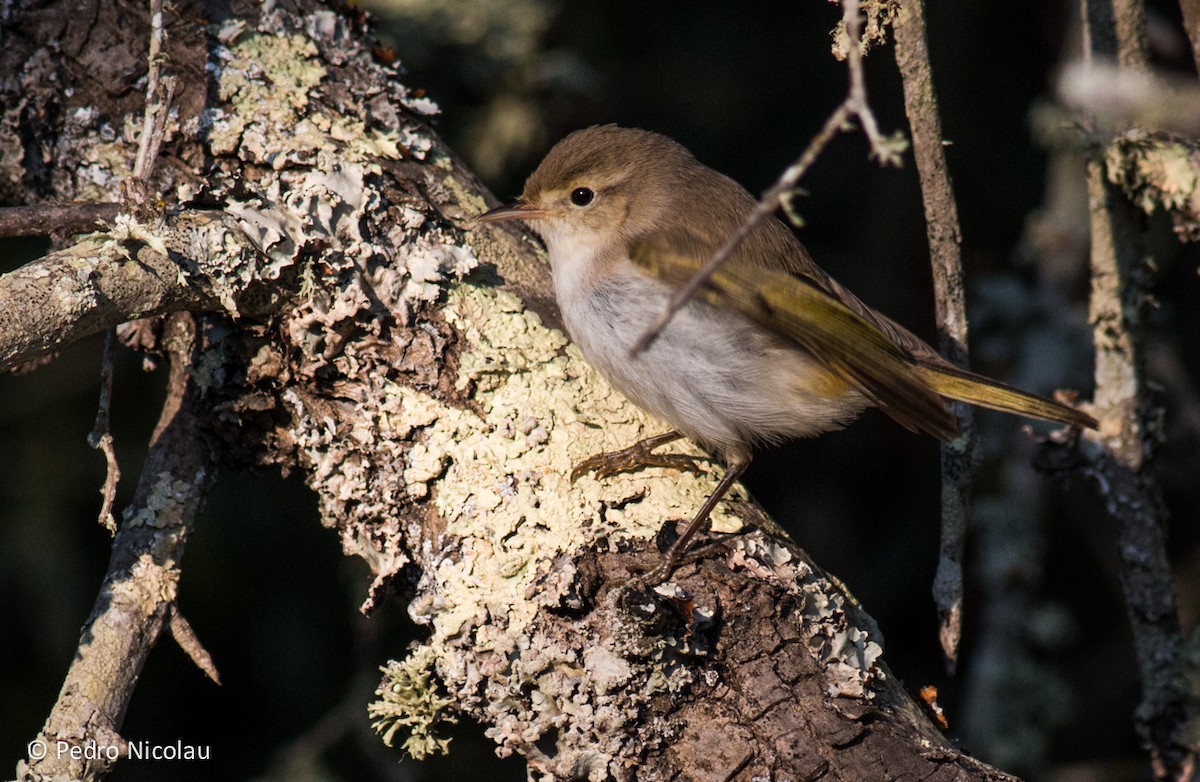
(517, 210)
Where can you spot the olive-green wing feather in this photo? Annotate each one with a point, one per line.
(885, 362)
(846, 343)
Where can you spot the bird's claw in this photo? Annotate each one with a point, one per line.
(635, 457)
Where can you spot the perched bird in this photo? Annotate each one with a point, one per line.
(771, 348)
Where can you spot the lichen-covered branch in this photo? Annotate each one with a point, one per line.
(1120, 462)
(141, 584)
(958, 456)
(191, 261)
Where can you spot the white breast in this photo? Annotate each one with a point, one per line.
(713, 375)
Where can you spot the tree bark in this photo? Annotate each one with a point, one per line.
(360, 328)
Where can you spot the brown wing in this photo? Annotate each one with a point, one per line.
(799, 308)
(789, 294)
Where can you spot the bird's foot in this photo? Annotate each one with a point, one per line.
(635, 457)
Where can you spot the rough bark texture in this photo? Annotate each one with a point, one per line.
(407, 362)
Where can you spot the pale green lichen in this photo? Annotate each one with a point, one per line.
(266, 81)
(501, 484)
(505, 488)
(408, 700)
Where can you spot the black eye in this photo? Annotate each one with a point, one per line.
(582, 196)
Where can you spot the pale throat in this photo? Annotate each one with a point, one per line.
(579, 258)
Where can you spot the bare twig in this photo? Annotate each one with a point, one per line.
(884, 148)
(185, 636)
(158, 104)
(154, 123)
(101, 436)
(142, 580)
(945, 239)
(136, 195)
(45, 219)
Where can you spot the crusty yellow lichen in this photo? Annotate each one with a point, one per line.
(498, 474)
(503, 484)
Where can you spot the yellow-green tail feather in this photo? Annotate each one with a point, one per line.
(982, 391)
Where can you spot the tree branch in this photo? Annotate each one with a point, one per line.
(192, 261)
(959, 456)
(47, 219)
(141, 584)
(1130, 429)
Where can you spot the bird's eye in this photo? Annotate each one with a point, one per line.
(582, 196)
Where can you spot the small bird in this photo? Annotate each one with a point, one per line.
(771, 348)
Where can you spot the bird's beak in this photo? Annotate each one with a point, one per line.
(517, 210)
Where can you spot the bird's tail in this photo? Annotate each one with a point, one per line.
(985, 392)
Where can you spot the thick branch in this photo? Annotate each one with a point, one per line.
(141, 584)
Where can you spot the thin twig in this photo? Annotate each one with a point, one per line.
(45, 219)
(157, 104)
(945, 254)
(101, 435)
(154, 122)
(885, 149)
(136, 195)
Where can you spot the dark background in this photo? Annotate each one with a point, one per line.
(745, 87)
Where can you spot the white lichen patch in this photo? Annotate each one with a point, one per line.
(851, 666)
(849, 654)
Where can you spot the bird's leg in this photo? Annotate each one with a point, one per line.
(640, 454)
(675, 553)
